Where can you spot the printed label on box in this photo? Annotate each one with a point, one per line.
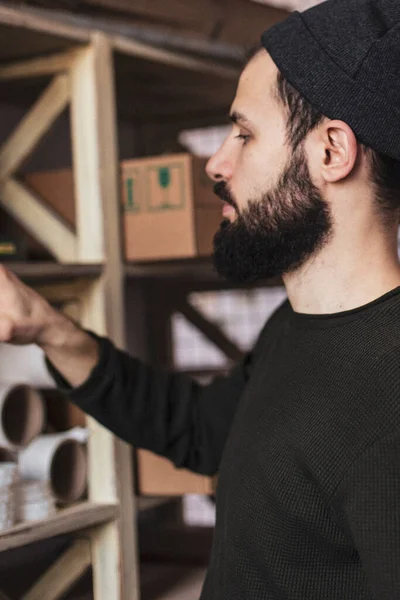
(165, 187)
(131, 192)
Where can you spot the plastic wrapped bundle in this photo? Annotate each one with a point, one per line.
(33, 501)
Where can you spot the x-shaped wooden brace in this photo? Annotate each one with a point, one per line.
(74, 82)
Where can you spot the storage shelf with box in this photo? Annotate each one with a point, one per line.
(169, 209)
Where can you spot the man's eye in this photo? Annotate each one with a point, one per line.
(245, 138)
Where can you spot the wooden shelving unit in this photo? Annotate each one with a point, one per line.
(49, 64)
(46, 66)
(46, 272)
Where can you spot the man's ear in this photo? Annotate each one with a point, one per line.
(340, 149)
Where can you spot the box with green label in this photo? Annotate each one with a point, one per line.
(170, 210)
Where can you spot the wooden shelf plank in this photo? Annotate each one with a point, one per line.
(191, 270)
(172, 269)
(185, 270)
(51, 271)
(67, 520)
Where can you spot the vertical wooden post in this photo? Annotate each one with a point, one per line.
(115, 572)
(86, 157)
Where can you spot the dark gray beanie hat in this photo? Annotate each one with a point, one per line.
(343, 56)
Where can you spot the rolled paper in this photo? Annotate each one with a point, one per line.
(24, 364)
(22, 415)
(58, 459)
(62, 414)
(7, 456)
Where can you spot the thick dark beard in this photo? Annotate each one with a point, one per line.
(276, 234)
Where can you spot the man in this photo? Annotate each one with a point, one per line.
(305, 433)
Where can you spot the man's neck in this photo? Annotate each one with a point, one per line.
(345, 275)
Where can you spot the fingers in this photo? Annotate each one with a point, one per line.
(6, 324)
(7, 276)
(6, 329)
(3, 273)
(22, 311)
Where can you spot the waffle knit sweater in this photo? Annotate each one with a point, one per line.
(305, 435)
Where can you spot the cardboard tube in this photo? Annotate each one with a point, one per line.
(22, 415)
(6, 456)
(60, 460)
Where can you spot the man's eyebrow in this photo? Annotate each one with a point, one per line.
(239, 118)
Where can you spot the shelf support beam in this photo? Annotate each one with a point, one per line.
(16, 198)
(40, 221)
(114, 548)
(38, 67)
(33, 126)
(88, 159)
(62, 575)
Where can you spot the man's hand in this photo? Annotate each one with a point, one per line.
(27, 318)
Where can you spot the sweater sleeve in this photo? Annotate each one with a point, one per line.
(169, 414)
(368, 502)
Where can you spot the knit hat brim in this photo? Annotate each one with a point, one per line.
(312, 72)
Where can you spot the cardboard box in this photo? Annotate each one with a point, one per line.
(157, 476)
(169, 208)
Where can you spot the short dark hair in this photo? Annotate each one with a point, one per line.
(304, 118)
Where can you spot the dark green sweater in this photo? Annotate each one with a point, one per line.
(306, 436)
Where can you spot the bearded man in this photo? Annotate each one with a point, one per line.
(305, 432)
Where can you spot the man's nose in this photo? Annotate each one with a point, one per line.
(219, 168)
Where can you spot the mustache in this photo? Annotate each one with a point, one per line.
(221, 190)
